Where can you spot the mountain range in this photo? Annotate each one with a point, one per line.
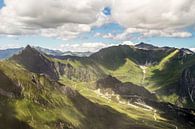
(7, 53)
(119, 87)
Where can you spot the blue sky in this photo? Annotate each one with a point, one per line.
(105, 33)
(1, 3)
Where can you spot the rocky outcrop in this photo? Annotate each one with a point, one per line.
(8, 88)
(125, 90)
(187, 83)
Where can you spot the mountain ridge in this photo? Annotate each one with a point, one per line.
(108, 86)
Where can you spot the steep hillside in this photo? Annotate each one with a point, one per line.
(165, 78)
(187, 85)
(114, 57)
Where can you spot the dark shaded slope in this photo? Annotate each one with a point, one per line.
(140, 95)
(124, 89)
(168, 77)
(187, 84)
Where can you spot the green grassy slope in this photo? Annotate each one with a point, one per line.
(129, 72)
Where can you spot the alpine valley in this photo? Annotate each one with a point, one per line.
(119, 87)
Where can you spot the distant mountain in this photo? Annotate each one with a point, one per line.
(60, 53)
(4, 54)
(79, 54)
(7, 53)
(49, 51)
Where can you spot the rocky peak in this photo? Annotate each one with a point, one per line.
(36, 62)
(185, 51)
(145, 46)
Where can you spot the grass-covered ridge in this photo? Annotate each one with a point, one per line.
(70, 101)
(164, 78)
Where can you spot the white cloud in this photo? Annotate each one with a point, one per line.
(92, 47)
(127, 34)
(154, 14)
(53, 18)
(65, 32)
(66, 19)
(192, 49)
(156, 32)
(52, 13)
(155, 17)
(9, 45)
(83, 47)
(121, 37)
(128, 43)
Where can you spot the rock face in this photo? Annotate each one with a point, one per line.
(125, 90)
(187, 83)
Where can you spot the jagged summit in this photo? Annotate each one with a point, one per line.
(28, 47)
(146, 46)
(186, 51)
